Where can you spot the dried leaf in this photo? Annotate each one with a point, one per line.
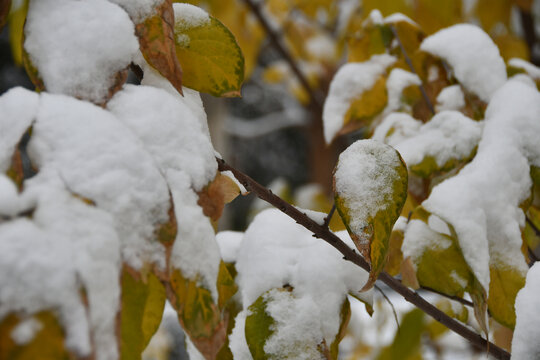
(156, 39)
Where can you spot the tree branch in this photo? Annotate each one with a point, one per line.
(349, 254)
(275, 41)
(411, 66)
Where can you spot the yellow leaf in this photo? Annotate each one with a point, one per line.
(32, 71)
(370, 187)
(395, 256)
(433, 15)
(143, 300)
(491, 13)
(210, 57)
(344, 317)
(200, 317)
(511, 46)
(156, 39)
(387, 7)
(238, 18)
(17, 17)
(372, 39)
(365, 108)
(505, 282)
(46, 344)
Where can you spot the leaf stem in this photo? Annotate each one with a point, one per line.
(391, 305)
(328, 217)
(349, 254)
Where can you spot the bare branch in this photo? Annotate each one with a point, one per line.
(328, 217)
(349, 254)
(275, 41)
(391, 305)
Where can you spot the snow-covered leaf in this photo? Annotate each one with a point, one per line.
(370, 186)
(40, 336)
(474, 58)
(80, 48)
(210, 57)
(355, 85)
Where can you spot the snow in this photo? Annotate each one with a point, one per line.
(229, 243)
(188, 16)
(395, 128)
(26, 330)
(449, 135)
(473, 56)
(98, 36)
(525, 345)
(419, 237)
(450, 98)
(399, 17)
(276, 251)
(321, 47)
(169, 130)
(397, 81)
(317, 216)
(231, 176)
(237, 339)
(18, 108)
(9, 198)
(100, 159)
(195, 251)
(139, 10)
(364, 179)
(532, 70)
(349, 83)
(74, 246)
(482, 201)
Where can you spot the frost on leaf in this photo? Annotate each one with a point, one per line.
(474, 58)
(357, 94)
(282, 270)
(97, 35)
(210, 57)
(370, 186)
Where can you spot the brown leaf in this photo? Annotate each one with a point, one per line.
(213, 197)
(156, 39)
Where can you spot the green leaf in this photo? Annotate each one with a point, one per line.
(370, 186)
(406, 344)
(156, 39)
(259, 327)
(210, 57)
(143, 301)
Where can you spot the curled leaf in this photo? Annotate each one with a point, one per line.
(370, 185)
(156, 39)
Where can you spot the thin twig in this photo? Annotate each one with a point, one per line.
(451, 297)
(274, 39)
(328, 217)
(391, 305)
(349, 254)
(527, 24)
(411, 66)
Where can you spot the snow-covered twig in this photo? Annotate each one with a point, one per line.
(324, 233)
